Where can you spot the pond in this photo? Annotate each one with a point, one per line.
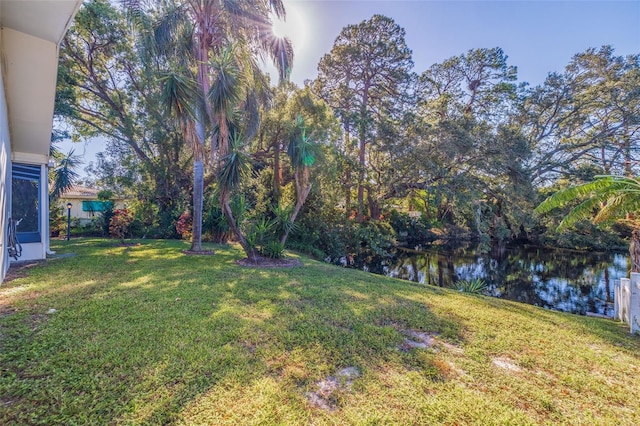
(564, 280)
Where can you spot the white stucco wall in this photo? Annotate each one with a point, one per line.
(5, 178)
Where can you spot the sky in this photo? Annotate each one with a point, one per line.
(537, 36)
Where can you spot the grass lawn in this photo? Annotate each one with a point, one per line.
(147, 335)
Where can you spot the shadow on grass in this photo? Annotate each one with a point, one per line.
(141, 332)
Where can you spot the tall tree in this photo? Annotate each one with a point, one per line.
(205, 29)
(365, 78)
(469, 150)
(105, 90)
(586, 116)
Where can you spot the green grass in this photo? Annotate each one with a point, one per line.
(147, 335)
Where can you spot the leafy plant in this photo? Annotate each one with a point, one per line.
(119, 224)
(184, 225)
(273, 249)
(472, 286)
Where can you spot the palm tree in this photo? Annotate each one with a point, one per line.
(604, 199)
(64, 175)
(178, 91)
(224, 97)
(208, 27)
(302, 152)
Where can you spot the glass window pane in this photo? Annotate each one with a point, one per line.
(25, 201)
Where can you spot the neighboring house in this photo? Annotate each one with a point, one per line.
(85, 204)
(30, 35)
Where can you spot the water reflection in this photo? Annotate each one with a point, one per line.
(563, 280)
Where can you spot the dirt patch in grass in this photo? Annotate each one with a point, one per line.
(20, 269)
(265, 262)
(5, 311)
(506, 364)
(416, 339)
(329, 389)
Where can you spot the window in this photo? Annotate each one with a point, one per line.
(25, 202)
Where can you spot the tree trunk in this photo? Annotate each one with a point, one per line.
(374, 206)
(225, 204)
(634, 250)
(198, 195)
(303, 187)
(361, 178)
(277, 173)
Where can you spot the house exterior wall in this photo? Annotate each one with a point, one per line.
(78, 213)
(30, 33)
(76, 208)
(30, 69)
(5, 178)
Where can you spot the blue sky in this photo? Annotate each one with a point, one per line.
(538, 36)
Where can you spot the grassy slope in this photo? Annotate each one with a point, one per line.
(147, 335)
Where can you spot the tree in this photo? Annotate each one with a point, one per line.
(586, 116)
(365, 78)
(604, 199)
(210, 27)
(105, 90)
(469, 156)
(64, 175)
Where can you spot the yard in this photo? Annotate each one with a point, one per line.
(147, 335)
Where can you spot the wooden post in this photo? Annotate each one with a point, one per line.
(634, 303)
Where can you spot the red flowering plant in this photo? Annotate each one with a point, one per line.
(184, 225)
(119, 224)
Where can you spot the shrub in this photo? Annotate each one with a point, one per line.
(273, 249)
(119, 224)
(184, 225)
(473, 286)
(410, 230)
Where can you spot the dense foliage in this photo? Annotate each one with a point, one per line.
(369, 155)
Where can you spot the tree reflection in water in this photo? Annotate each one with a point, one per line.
(564, 280)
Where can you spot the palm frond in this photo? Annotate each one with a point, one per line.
(605, 198)
(277, 6)
(179, 94)
(583, 211)
(65, 175)
(236, 164)
(226, 87)
(281, 52)
(601, 186)
(301, 149)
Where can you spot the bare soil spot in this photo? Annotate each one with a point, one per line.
(424, 340)
(6, 311)
(506, 364)
(20, 269)
(328, 389)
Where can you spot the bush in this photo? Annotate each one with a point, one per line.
(409, 230)
(473, 286)
(119, 224)
(273, 249)
(184, 225)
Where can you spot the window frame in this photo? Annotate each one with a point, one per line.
(29, 172)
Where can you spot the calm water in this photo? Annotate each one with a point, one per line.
(563, 280)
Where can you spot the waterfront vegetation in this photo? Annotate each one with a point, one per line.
(368, 155)
(144, 334)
